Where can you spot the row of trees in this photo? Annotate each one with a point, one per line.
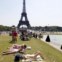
(5, 28)
(46, 28)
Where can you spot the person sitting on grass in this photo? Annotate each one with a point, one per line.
(19, 57)
(16, 48)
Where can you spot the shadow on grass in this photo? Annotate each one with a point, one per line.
(12, 42)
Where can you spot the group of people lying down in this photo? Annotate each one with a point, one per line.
(15, 48)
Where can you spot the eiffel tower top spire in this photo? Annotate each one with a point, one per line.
(24, 6)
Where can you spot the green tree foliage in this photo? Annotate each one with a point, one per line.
(5, 28)
(47, 28)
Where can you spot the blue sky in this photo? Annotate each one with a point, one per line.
(39, 12)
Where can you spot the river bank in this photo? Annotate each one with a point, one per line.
(58, 47)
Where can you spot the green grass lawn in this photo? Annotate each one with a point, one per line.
(49, 53)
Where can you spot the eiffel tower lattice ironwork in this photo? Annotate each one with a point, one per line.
(24, 15)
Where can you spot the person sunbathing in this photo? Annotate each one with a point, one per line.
(19, 57)
(16, 48)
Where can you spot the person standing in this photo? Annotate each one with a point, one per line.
(14, 34)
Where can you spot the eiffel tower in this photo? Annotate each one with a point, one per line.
(24, 15)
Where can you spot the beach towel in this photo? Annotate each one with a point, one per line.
(38, 58)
